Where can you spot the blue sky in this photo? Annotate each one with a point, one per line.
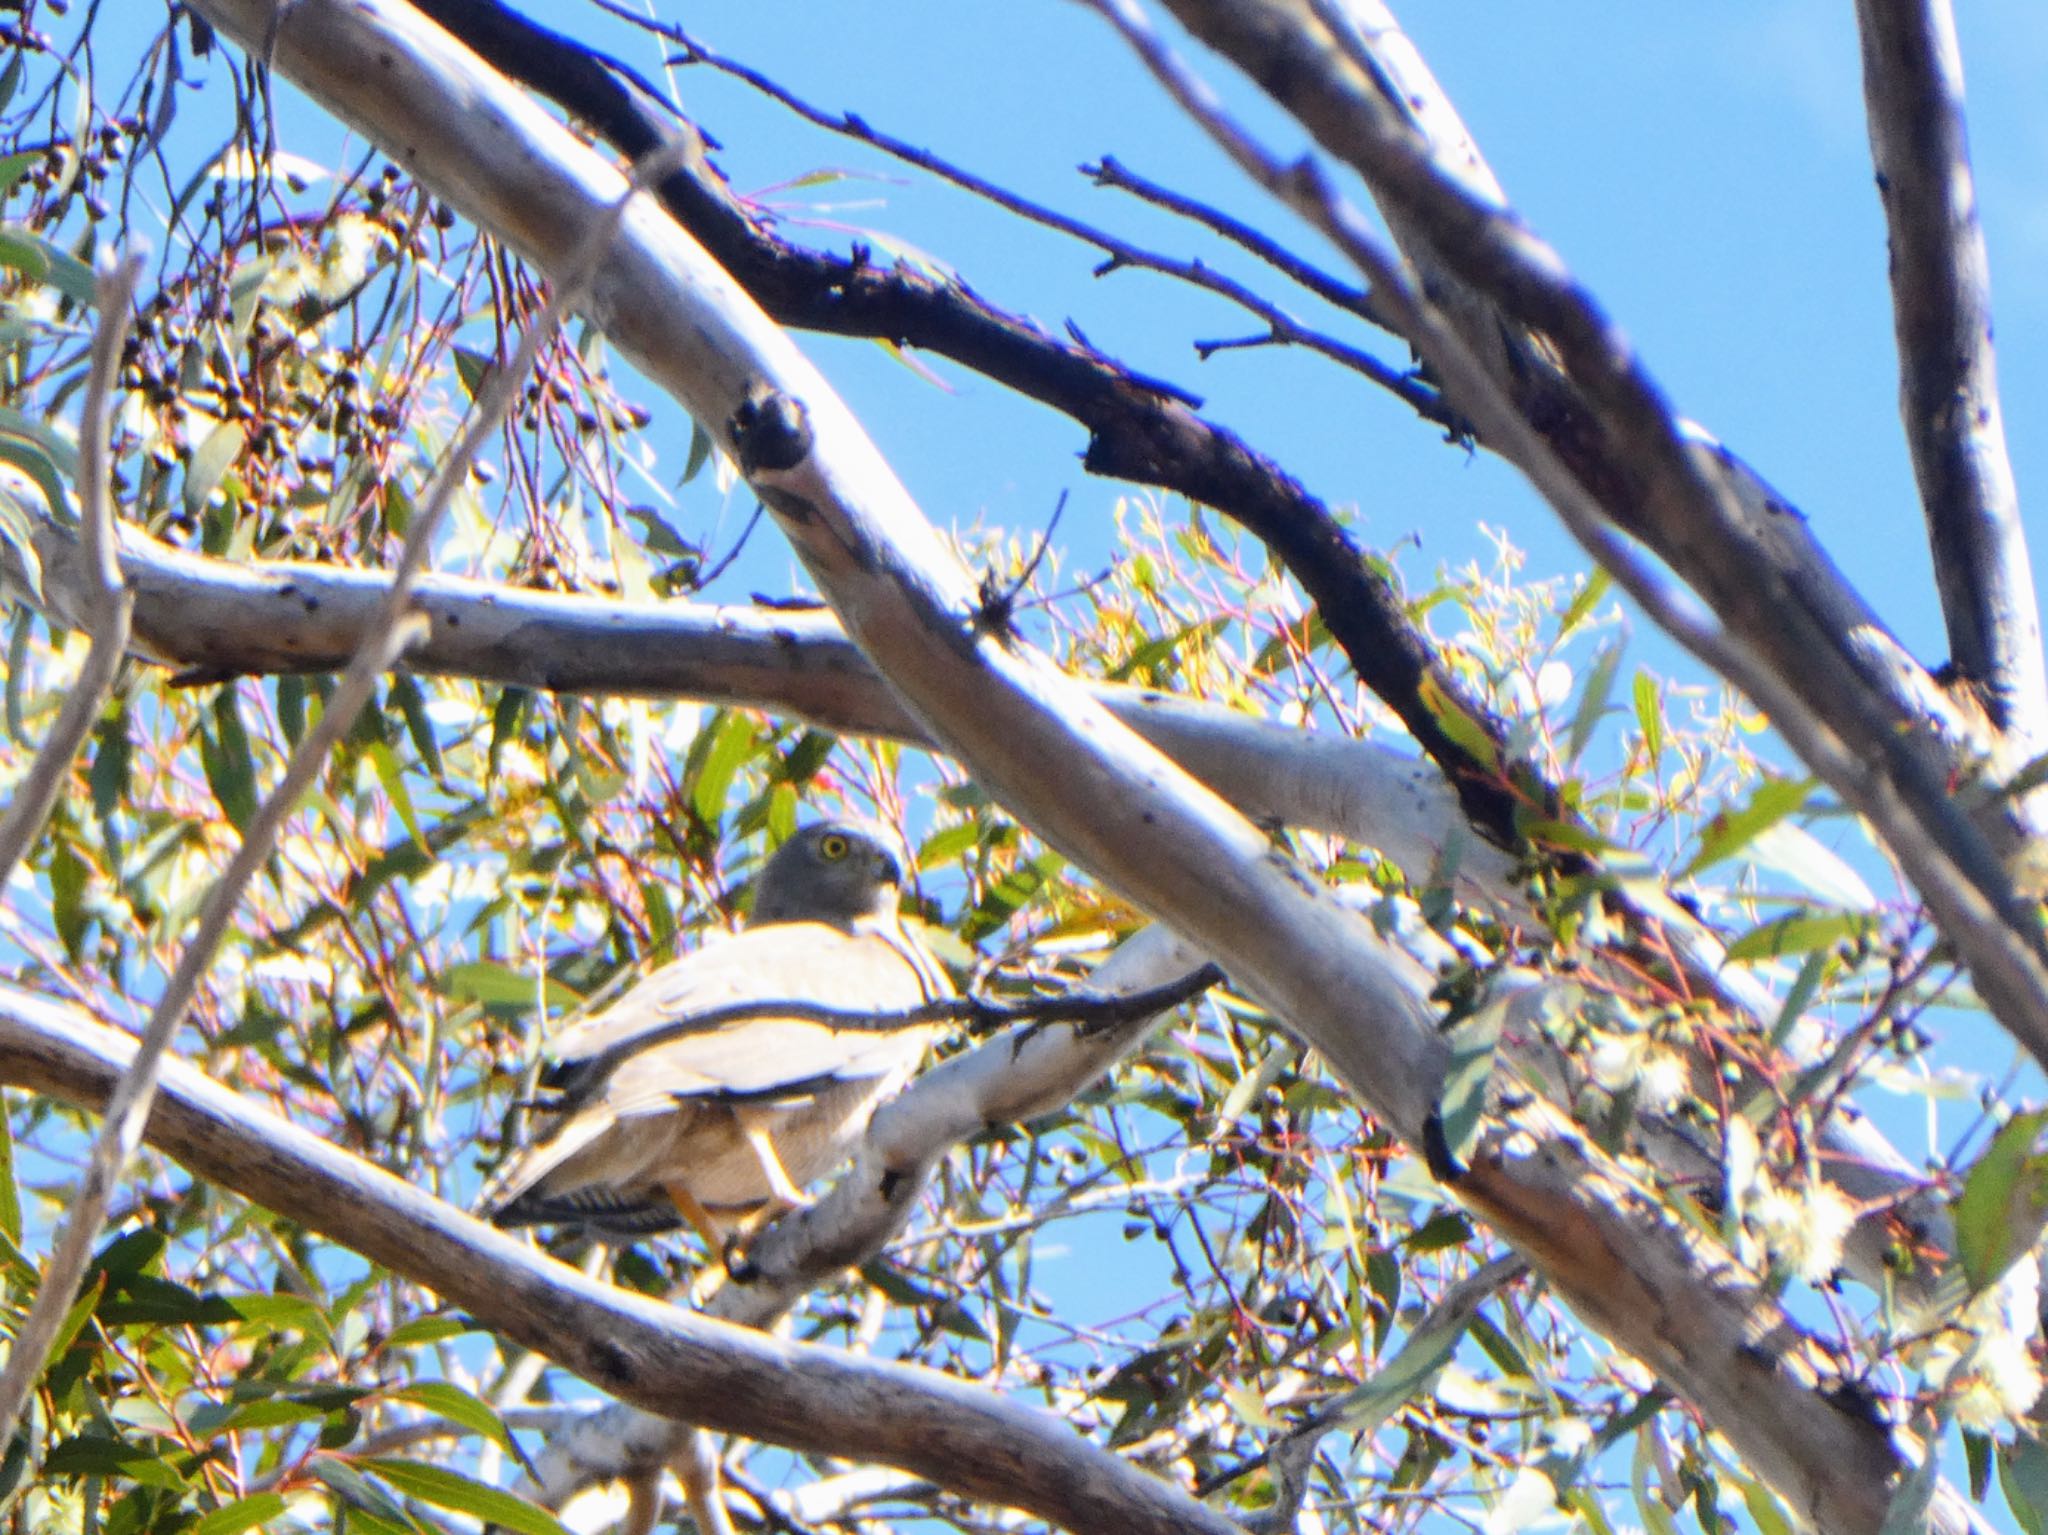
(1703, 168)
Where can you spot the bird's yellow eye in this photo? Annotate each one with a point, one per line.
(833, 846)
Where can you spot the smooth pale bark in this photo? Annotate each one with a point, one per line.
(208, 618)
(659, 1357)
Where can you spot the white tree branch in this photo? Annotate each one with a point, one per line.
(660, 1358)
(1819, 683)
(1948, 369)
(210, 618)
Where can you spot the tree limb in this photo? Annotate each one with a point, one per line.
(1839, 709)
(210, 619)
(103, 601)
(661, 1358)
(1948, 370)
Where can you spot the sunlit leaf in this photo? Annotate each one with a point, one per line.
(1998, 1214)
(1729, 831)
(443, 1488)
(1798, 935)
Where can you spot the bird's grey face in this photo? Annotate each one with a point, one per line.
(834, 871)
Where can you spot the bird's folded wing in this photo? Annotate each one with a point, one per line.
(663, 1039)
(766, 1059)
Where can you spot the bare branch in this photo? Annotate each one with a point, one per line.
(1411, 391)
(104, 602)
(663, 1359)
(1948, 370)
(1813, 678)
(211, 619)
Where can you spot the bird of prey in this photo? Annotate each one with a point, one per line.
(665, 1113)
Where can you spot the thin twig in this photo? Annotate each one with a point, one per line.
(397, 628)
(1088, 1011)
(1331, 289)
(1285, 328)
(110, 604)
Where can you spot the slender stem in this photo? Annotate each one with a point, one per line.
(109, 604)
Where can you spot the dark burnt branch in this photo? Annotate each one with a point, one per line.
(1331, 289)
(1948, 371)
(1121, 252)
(1139, 431)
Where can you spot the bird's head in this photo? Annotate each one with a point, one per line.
(833, 871)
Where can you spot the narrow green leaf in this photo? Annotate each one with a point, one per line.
(457, 1406)
(1597, 586)
(112, 761)
(1593, 700)
(1729, 831)
(1798, 935)
(225, 757)
(34, 460)
(1465, 731)
(473, 369)
(384, 761)
(17, 672)
(425, 1329)
(1461, 1107)
(358, 1491)
(1907, 1512)
(700, 453)
(2023, 1478)
(210, 462)
(243, 1514)
(1650, 715)
(60, 269)
(1998, 1213)
(1800, 996)
(1977, 1455)
(405, 691)
(1407, 1375)
(496, 985)
(731, 743)
(452, 1490)
(10, 1191)
(508, 719)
